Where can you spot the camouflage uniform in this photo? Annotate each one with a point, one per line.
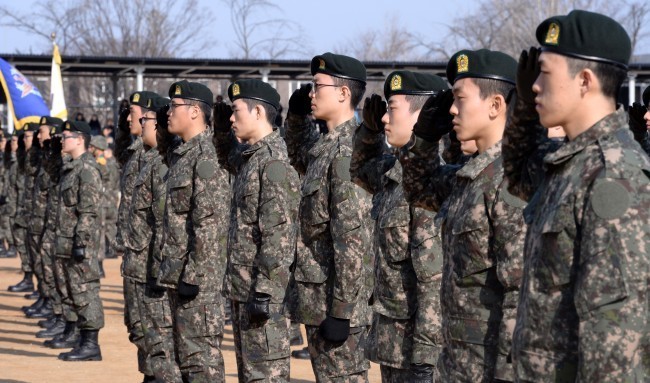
(37, 221)
(15, 197)
(194, 251)
(261, 247)
(333, 271)
(133, 266)
(406, 326)
(111, 202)
(78, 211)
(23, 216)
(583, 314)
(483, 233)
(5, 220)
(143, 242)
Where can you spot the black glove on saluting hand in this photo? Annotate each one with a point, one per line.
(527, 72)
(421, 373)
(222, 113)
(374, 109)
(300, 102)
(78, 253)
(258, 308)
(637, 122)
(434, 120)
(187, 291)
(122, 123)
(335, 330)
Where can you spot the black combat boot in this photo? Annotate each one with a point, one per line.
(33, 295)
(44, 312)
(34, 306)
(68, 339)
(47, 323)
(56, 329)
(23, 286)
(88, 349)
(300, 354)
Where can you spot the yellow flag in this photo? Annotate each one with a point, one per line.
(57, 99)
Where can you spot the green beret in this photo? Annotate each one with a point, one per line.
(256, 90)
(482, 63)
(157, 103)
(5, 134)
(51, 121)
(339, 66)
(99, 142)
(646, 96)
(142, 98)
(31, 126)
(77, 127)
(587, 36)
(191, 91)
(413, 83)
(18, 131)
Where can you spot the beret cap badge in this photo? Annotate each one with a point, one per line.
(321, 64)
(235, 90)
(553, 34)
(462, 63)
(43, 120)
(177, 91)
(396, 82)
(136, 97)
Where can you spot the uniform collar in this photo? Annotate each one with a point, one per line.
(136, 145)
(346, 129)
(395, 172)
(605, 127)
(267, 140)
(477, 164)
(194, 141)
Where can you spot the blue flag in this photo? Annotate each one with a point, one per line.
(25, 101)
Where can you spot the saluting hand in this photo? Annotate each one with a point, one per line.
(637, 122)
(434, 120)
(222, 113)
(300, 102)
(527, 72)
(374, 109)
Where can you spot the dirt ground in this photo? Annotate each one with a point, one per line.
(24, 359)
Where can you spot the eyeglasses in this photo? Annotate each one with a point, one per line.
(173, 106)
(70, 136)
(144, 119)
(316, 86)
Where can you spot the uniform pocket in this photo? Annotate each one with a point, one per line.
(248, 204)
(471, 239)
(395, 228)
(267, 342)
(554, 268)
(69, 195)
(314, 203)
(200, 319)
(64, 245)
(180, 193)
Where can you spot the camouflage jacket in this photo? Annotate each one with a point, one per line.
(40, 195)
(483, 235)
(25, 202)
(408, 253)
(9, 190)
(263, 215)
(79, 201)
(333, 270)
(127, 183)
(195, 223)
(583, 313)
(142, 222)
(52, 211)
(112, 188)
(16, 190)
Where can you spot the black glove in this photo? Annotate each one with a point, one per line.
(122, 123)
(637, 122)
(153, 285)
(300, 102)
(434, 120)
(258, 308)
(222, 113)
(78, 253)
(161, 118)
(527, 72)
(374, 109)
(185, 290)
(421, 373)
(3, 200)
(335, 330)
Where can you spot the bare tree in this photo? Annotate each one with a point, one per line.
(261, 34)
(165, 28)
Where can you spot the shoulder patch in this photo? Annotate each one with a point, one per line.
(205, 169)
(341, 168)
(276, 171)
(511, 200)
(86, 175)
(162, 171)
(609, 199)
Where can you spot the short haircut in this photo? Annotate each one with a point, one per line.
(270, 111)
(610, 76)
(357, 89)
(491, 87)
(86, 138)
(416, 101)
(205, 108)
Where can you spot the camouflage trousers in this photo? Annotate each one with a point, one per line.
(156, 318)
(339, 363)
(83, 285)
(467, 362)
(262, 349)
(49, 280)
(133, 300)
(34, 251)
(110, 229)
(390, 341)
(20, 238)
(5, 229)
(60, 277)
(198, 333)
(394, 375)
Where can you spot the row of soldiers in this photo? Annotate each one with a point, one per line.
(471, 248)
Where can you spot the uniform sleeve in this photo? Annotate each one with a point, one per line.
(426, 255)
(229, 150)
(89, 197)
(508, 233)
(427, 182)
(277, 218)
(209, 217)
(300, 138)
(368, 164)
(349, 236)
